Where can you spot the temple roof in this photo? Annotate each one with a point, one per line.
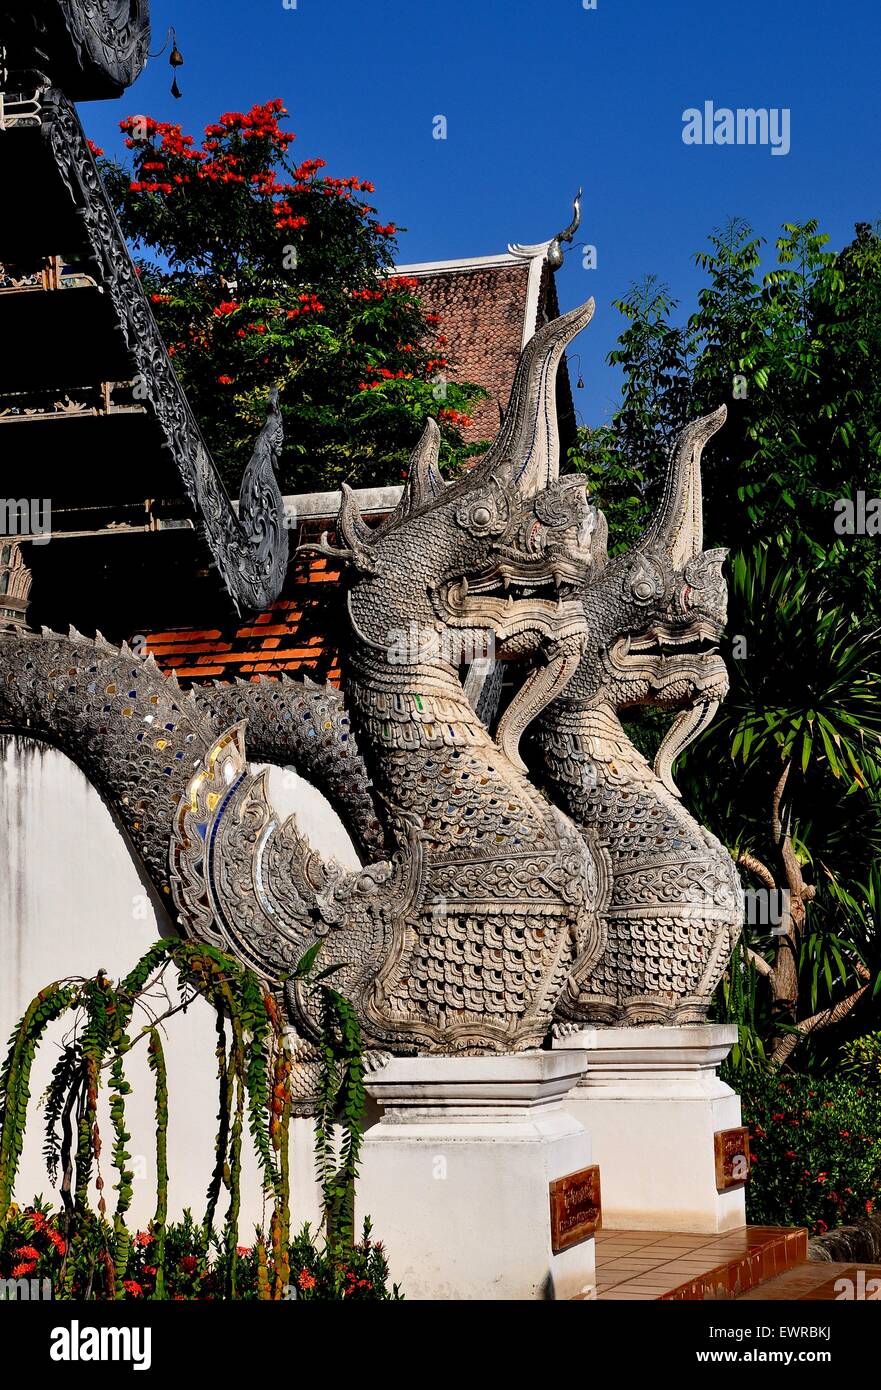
(488, 307)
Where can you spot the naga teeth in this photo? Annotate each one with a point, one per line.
(510, 600)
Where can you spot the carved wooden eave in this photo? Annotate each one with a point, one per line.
(91, 48)
(87, 346)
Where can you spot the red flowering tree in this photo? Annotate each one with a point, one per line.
(262, 270)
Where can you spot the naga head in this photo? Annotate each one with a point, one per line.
(491, 565)
(656, 612)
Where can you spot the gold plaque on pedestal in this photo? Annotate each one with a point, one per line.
(732, 1157)
(576, 1209)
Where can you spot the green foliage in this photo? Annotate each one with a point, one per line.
(794, 353)
(816, 1150)
(87, 1256)
(362, 1273)
(158, 1068)
(15, 1092)
(192, 1263)
(861, 1058)
(342, 1105)
(263, 271)
(737, 1002)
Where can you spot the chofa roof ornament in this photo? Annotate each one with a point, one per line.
(550, 251)
(555, 250)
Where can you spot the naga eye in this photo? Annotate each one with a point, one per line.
(482, 516)
(645, 581)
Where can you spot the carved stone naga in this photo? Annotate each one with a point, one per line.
(51, 51)
(486, 916)
(655, 615)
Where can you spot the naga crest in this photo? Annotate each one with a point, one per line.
(492, 565)
(657, 611)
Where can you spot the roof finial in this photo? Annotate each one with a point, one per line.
(555, 250)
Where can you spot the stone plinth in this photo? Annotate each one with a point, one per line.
(653, 1101)
(456, 1172)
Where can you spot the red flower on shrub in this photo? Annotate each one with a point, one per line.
(188, 1264)
(133, 1287)
(306, 1280)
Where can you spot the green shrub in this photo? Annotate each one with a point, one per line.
(816, 1148)
(862, 1058)
(194, 1263)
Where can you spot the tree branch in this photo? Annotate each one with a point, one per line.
(776, 823)
(790, 1041)
(759, 962)
(755, 866)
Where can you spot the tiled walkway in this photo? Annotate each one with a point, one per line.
(673, 1265)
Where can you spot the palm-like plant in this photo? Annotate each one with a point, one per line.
(799, 742)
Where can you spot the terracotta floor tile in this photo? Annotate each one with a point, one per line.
(626, 1297)
(688, 1269)
(642, 1282)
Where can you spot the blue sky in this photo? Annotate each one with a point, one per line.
(542, 96)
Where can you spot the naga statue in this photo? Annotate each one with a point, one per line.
(655, 615)
(483, 920)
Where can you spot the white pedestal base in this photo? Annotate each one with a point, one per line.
(652, 1101)
(455, 1175)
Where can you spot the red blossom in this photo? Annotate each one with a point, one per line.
(56, 1239)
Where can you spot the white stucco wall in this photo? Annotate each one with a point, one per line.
(72, 900)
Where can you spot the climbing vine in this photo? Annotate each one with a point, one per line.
(93, 1254)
